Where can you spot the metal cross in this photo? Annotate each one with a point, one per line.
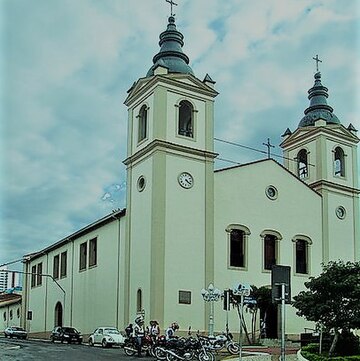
(317, 62)
(171, 4)
(268, 145)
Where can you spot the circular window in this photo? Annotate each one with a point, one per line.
(141, 183)
(340, 212)
(271, 192)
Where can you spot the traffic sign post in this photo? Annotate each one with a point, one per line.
(281, 293)
(242, 290)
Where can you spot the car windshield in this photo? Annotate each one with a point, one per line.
(113, 331)
(70, 329)
(17, 328)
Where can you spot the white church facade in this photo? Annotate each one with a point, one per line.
(186, 225)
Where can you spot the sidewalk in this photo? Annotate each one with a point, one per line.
(262, 353)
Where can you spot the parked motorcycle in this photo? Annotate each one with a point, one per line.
(184, 349)
(219, 342)
(131, 348)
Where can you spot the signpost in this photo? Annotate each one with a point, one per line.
(243, 290)
(281, 293)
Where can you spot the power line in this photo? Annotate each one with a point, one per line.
(228, 160)
(255, 150)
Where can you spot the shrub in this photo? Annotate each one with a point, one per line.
(348, 344)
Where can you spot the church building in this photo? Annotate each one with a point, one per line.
(186, 225)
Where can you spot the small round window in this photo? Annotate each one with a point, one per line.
(141, 183)
(271, 192)
(340, 212)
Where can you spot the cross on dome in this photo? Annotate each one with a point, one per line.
(316, 59)
(171, 6)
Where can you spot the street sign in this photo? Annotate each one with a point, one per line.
(249, 300)
(280, 275)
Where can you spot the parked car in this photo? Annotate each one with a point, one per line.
(68, 334)
(14, 331)
(106, 337)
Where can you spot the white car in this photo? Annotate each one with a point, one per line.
(14, 331)
(106, 337)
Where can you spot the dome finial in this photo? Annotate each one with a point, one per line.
(318, 108)
(171, 54)
(171, 7)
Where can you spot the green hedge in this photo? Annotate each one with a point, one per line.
(310, 352)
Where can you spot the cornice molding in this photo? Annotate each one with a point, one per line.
(313, 131)
(172, 80)
(339, 187)
(168, 147)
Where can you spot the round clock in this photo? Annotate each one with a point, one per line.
(186, 180)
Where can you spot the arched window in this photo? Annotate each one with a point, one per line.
(301, 244)
(237, 245)
(142, 130)
(339, 162)
(18, 312)
(302, 163)
(4, 315)
(186, 119)
(139, 300)
(270, 248)
(11, 314)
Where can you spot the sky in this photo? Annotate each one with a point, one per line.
(66, 66)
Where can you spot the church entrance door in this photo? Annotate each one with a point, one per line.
(269, 321)
(58, 314)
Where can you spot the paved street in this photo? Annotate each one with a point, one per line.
(31, 350)
(37, 350)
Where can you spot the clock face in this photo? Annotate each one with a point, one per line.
(186, 180)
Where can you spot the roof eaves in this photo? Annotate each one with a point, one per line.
(116, 214)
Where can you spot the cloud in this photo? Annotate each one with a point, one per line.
(66, 67)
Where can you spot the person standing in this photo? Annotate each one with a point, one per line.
(139, 333)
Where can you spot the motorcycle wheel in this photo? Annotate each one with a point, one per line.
(160, 354)
(233, 348)
(206, 356)
(129, 351)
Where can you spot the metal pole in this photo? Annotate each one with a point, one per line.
(240, 334)
(282, 322)
(211, 319)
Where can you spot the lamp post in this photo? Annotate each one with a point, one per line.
(211, 294)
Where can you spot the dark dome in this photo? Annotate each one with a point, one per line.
(318, 109)
(171, 55)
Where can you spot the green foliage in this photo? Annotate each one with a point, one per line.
(316, 357)
(348, 344)
(332, 298)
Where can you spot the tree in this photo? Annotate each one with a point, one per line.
(332, 298)
(262, 296)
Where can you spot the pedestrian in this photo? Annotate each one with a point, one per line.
(153, 330)
(170, 331)
(129, 330)
(139, 333)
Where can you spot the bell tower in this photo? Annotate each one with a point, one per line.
(323, 153)
(170, 196)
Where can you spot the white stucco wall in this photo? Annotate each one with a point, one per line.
(89, 297)
(10, 315)
(240, 199)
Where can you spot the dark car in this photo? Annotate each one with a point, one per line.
(68, 334)
(15, 331)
